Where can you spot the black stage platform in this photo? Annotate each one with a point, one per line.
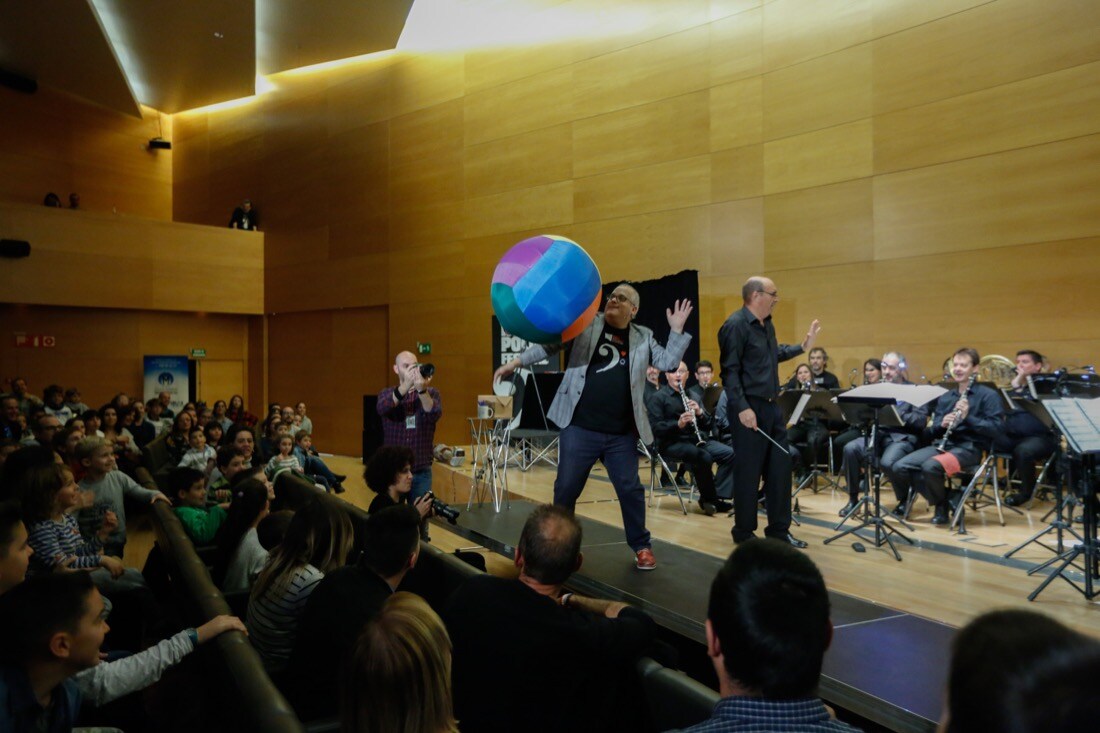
(884, 665)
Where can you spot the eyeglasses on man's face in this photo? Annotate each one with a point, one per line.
(618, 298)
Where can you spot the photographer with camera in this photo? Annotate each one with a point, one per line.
(409, 415)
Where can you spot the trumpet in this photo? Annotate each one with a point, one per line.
(700, 441)
(942, 445)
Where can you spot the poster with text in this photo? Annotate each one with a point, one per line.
(167, 374)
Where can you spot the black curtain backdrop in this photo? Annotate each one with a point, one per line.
(662, 293)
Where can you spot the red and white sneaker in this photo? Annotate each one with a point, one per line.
(644, 560)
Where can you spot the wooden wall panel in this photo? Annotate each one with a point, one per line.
(100, 350)
(91, 259)
(52, 142)
(887, 162)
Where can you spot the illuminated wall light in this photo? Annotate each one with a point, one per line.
(131, 69)
(338, 64)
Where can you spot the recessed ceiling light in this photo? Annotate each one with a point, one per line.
(218, 35)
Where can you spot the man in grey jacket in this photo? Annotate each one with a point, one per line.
(601, 409)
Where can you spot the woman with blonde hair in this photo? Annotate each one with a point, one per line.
(400, 676)
(317, 541)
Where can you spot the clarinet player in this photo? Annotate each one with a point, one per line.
(969, 422)
(681, 427)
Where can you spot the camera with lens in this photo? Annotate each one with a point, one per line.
(427, 370)
(442, 509)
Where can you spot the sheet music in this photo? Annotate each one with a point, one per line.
(797, 414)
(1008, 399)
(1079, 421)
(914, 394)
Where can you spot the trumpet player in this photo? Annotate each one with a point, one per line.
(973, 420)
(682, 430)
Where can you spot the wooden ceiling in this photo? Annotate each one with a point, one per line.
(175, 56)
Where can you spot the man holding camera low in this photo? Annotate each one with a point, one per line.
(409, 414)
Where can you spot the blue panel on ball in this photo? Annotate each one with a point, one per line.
(558, 288)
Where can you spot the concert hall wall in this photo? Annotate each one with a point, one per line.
(919, 175)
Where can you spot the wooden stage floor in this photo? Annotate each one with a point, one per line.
(945, 576)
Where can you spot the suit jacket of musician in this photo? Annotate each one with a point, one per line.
(643, 351)
(915, 419)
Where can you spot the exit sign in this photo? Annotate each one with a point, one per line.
(34, 341)
(423, 348)
(198, 353)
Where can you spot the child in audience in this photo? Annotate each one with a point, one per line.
(7, 447)
(314, 466)
(76, 423)
(108, 486)
(318, 541)
(188, 487)
(284, 460)
(401, 672)
(240, 556)
(49, 494)
(199, 456)
(214, 433)
(73, 400)
(229, 460)
(91, 423)
(154, 410)
(15, 549)
(53, 399)
(272, 529)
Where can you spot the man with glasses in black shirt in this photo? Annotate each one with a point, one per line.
(750, 359)
(600, 405)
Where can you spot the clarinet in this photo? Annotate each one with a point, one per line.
(700, 441)
(942, 446)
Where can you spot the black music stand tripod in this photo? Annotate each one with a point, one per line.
(1077, 424)
(872, 413)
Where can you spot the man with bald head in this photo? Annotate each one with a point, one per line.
(409, 414)
(750, 363)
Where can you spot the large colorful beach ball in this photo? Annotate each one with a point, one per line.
(546, 289)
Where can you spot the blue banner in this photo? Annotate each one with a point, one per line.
(167, 374)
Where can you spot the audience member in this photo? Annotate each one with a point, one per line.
(314, 466)
(273, 528)
(240, 557)
(270, 430)
(154, 411)
(220, 415)
(108, 486)
(165, 399)
(52, 200)
(342, 603)
(19, 462)
(574, 651)
(1017, 671)
(49, 494)
(73, 400)
(400, 678)
(118, 437)
(7, 447)
(26, 400)
(43, 429)
(389, 475)
(214, 433)
(238, 414)
(143, 430)
(10, 428)
(15, 548)
(199, 455)
(179, 439)
(284, 459)
(53, 400)
(91, 423)
(317, 542)
(62, 620)
(767, 631)
(229, 460)
(244, 217)
(74, 201)
(306, 424)
(287, 415)
(188, 489)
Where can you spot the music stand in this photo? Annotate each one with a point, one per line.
(1078, 420)
(817, 402)
(1059, 525)
(871, 413)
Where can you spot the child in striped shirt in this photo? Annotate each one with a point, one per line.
(284, 460)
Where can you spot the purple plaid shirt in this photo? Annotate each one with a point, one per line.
(395, 420)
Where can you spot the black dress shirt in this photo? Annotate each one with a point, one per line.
(664, 418)
(750, 358)
(983, 420)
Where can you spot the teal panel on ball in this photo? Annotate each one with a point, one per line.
(514, 321)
